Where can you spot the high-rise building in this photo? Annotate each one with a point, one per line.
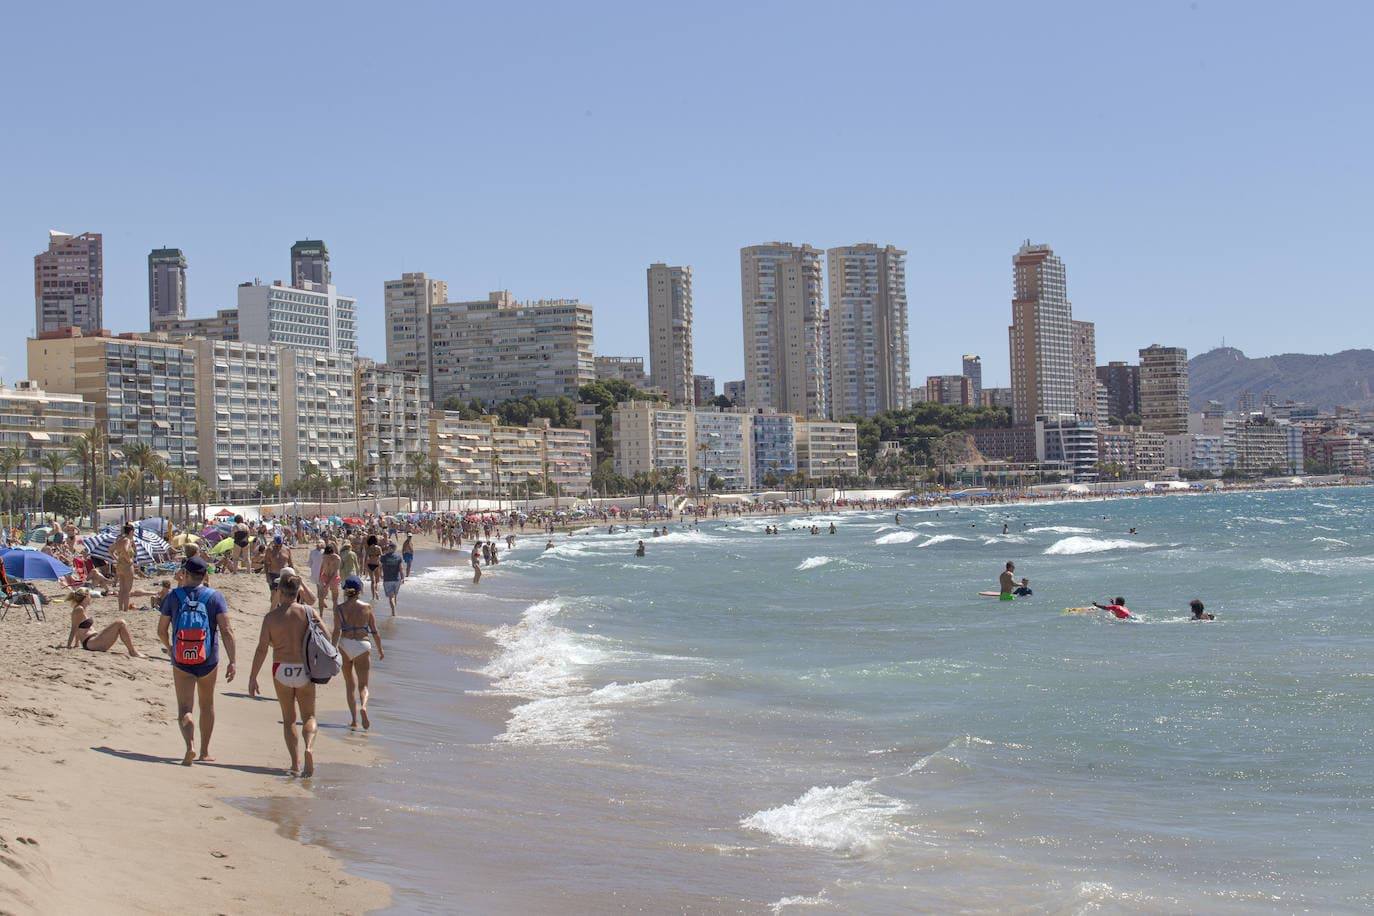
(670, 331)
(1164, 389)
(997, 397)
(310, 263)
(408, 302)
(1085, 370)
(774, 456)
(869, 365)
(735, 392)
(223, 325)
(392, 407)
(305, 317)
(949, 389)
(723, 450)
(497, 348)
(783, 300)
(238, 413)
(318, 419)
(41, 423)
(1122, 381)
(629, 369)
(1041, 337)
(69, 283)
(166, 285)
(703, 390)
(144, 390)
(973, 371)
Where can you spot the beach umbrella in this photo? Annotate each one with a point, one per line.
(33, 564)
(39, 535)
(353, 520)
(181, 540)
(224, 546)
(149, 547)
(156, 525)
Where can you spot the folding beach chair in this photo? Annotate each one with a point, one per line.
(21, 593)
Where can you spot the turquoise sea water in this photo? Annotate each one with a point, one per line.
(798, 723)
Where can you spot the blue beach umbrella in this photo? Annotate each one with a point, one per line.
(149, 547)
(33, 564)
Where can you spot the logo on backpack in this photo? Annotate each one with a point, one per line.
(191, 631)
(322, 659)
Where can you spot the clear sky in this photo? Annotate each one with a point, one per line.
(1203, 168)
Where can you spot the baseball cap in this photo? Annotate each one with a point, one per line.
(195, 566)
(353, 583)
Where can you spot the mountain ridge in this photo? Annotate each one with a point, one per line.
(1324, 380)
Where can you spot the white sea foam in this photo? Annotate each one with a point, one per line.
(778, 906)
(537, 657)
(579, 719)
(897, 537)
(683, 537)
(1331, 542)
(1072, 546)
(1061, 529)
(847, 819)
(944, 538)
(814, 562)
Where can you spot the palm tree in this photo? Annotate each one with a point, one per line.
(357, 469)
(433, 477)
(138, 458)
(36, 482)
(54, 463)
(181, 485)
(161, 471)
(10, 460)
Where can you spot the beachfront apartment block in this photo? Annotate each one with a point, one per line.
(481, 459)
(1131, 451)
(1164, 389)
(650, 436)
(495, 349)
(868, 367)
(723, 450)
(142, 389)
(69, 283)
(318, 420)
(1122, 381)
(223, 325)
(670, 331)
(166, 284)
(783, 298)
(1070, 442)
(42, 423)
(774, 444)
(1261, 449)
(1210, 454)
(1040, 337)
(826, 448)
(392, 410)
(309, 316)
(407, 304)
(628, 369)
(238, 409)
(1085, 394)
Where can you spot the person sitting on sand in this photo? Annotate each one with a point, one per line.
(164, 588)
(1199, 610)
(83, 628)
(195, 651)
(1117, 609)
(283, 631)
(355, 633)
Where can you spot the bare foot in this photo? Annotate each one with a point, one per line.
(205, 757)
(367, 723)
(353, 726)
(137, 654)
(309, 769)
(293, 772)
(189, 758)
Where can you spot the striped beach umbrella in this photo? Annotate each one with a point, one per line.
(149, 547)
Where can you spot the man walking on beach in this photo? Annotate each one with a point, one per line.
(283, 631)
(277, 558)
(194, 620)
(393, 574)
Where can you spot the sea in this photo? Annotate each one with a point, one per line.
(805, 723)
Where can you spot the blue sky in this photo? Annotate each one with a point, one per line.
(1203, 168)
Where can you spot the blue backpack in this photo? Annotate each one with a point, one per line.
(190, 630)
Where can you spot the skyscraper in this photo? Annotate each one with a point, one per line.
(1164, 389)
(670, 331)
(1085, 370)
(869, 367)
(1123, 388)
(783, 300)
(310, 262)
(166, 285)
(69, 283)
(973, 371)
(1041, 336)
(407, 303)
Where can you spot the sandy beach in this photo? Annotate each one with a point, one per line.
(96, 815)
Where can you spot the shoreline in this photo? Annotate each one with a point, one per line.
(93, 780)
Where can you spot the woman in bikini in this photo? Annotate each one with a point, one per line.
(374, 562)
(83, 628)
(355, 633)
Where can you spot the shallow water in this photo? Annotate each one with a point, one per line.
(743, 723)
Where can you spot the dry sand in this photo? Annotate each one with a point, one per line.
(97, 815)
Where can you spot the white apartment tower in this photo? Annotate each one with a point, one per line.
(670, 331)
(869, 363)
(1040, 337)
(783, 300)
(407, 302)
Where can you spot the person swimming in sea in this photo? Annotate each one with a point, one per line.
(1023, 590)
(832, 527)
(1117, 609)
(1199, 610)
(639, 551)
(1006, 582)
(1004, 528)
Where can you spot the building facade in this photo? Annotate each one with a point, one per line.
(868, 369)
(69, 283)
(223, 325)
(318, 414)
(308, 317)
(480, 459)
(670, 331)
(1085, 371)
(972, 367)
(783, 303)
(310, 263)
(1041, 336)
(166, 284)
(392, 419)
(827, 448)
(703, 390)
(1068, 441)
(949, 389)
(1122, 381)
(1261, 448)
(774, 457)
(628, 369)
(735, 391)
(238, 413)
(495, 349)
(407, 303)
(41, 423)
(723, 450)
(1164, 389)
